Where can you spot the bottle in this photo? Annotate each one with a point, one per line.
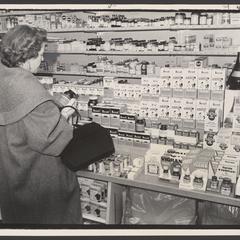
(176, 173)
(165, 171)
(214, 182)
(198, 181)
(226, 186)
(187, 178)
(140, 124)
(233, 81)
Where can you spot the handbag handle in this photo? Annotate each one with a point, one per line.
(76, 111)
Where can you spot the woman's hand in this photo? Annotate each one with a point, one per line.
(68, 112)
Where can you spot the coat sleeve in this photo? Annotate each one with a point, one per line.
(47, 131)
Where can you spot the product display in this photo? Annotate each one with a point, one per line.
(164, 85)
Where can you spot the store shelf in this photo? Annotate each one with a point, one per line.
(30, 12)
(220, 53)
(106, 74)
(148, 28)
(154, 184)
(93, 218)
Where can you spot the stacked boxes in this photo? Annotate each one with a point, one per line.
(93, 197)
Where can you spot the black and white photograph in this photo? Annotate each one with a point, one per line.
(120, 116)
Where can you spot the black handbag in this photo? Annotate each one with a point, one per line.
(90, 143)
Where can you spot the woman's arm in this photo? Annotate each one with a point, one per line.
(47, 131)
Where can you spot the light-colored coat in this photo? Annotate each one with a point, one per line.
(35, 187)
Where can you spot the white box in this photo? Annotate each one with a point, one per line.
(189, 109)
(201, 108)
(165, 78)
(164, 107)
(212, 120)
(204, 78)
(176, 108)
(218, 79)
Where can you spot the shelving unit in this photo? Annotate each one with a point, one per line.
(160, 53)
(116, 185)
(107, 74)
(147, 28)
(154, 184)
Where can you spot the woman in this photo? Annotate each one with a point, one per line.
(35, 187)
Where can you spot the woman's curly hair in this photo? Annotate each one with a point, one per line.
(20, 44)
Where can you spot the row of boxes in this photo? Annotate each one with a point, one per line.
(119, 165)
(93, 209)
(78, 89)
(92, 190)
(185, 139)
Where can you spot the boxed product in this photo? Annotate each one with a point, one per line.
(164, 107)
(202, 106)
(212, 120)
(86, 207)
(98, 211)
(171, 164)
(218, 84)
(195, 169)
(105, 116)
(153, 159)
(190, 83)
(204, 83)
(165, 82)
(109, 82)
(177, 82)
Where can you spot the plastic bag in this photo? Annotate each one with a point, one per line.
(218, 214)
(147, 207)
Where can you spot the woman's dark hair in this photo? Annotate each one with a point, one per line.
(20, 44)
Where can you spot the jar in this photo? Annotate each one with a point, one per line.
(166, 48)
(198, 181)
(176, 173)
(151, 68)
(165, 171)
(195, 18)
(203, 19)
(179, 18)
(140, 124)
(217, 18)
(161, 21)
(214, 182)
(166, 21)
(171, 21)
(161, 45)
(144, 68)
(209, 20)
(226, 18)
(172, 43)
(138, 68)
(177, 48)
(226, 186)
(163, 130)
(187, 178)
(93, 101)
(187, 21)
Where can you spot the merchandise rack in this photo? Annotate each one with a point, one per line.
(154, 184)
(116, 185)
(107, 74)
(160, 53)
(148, 28)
